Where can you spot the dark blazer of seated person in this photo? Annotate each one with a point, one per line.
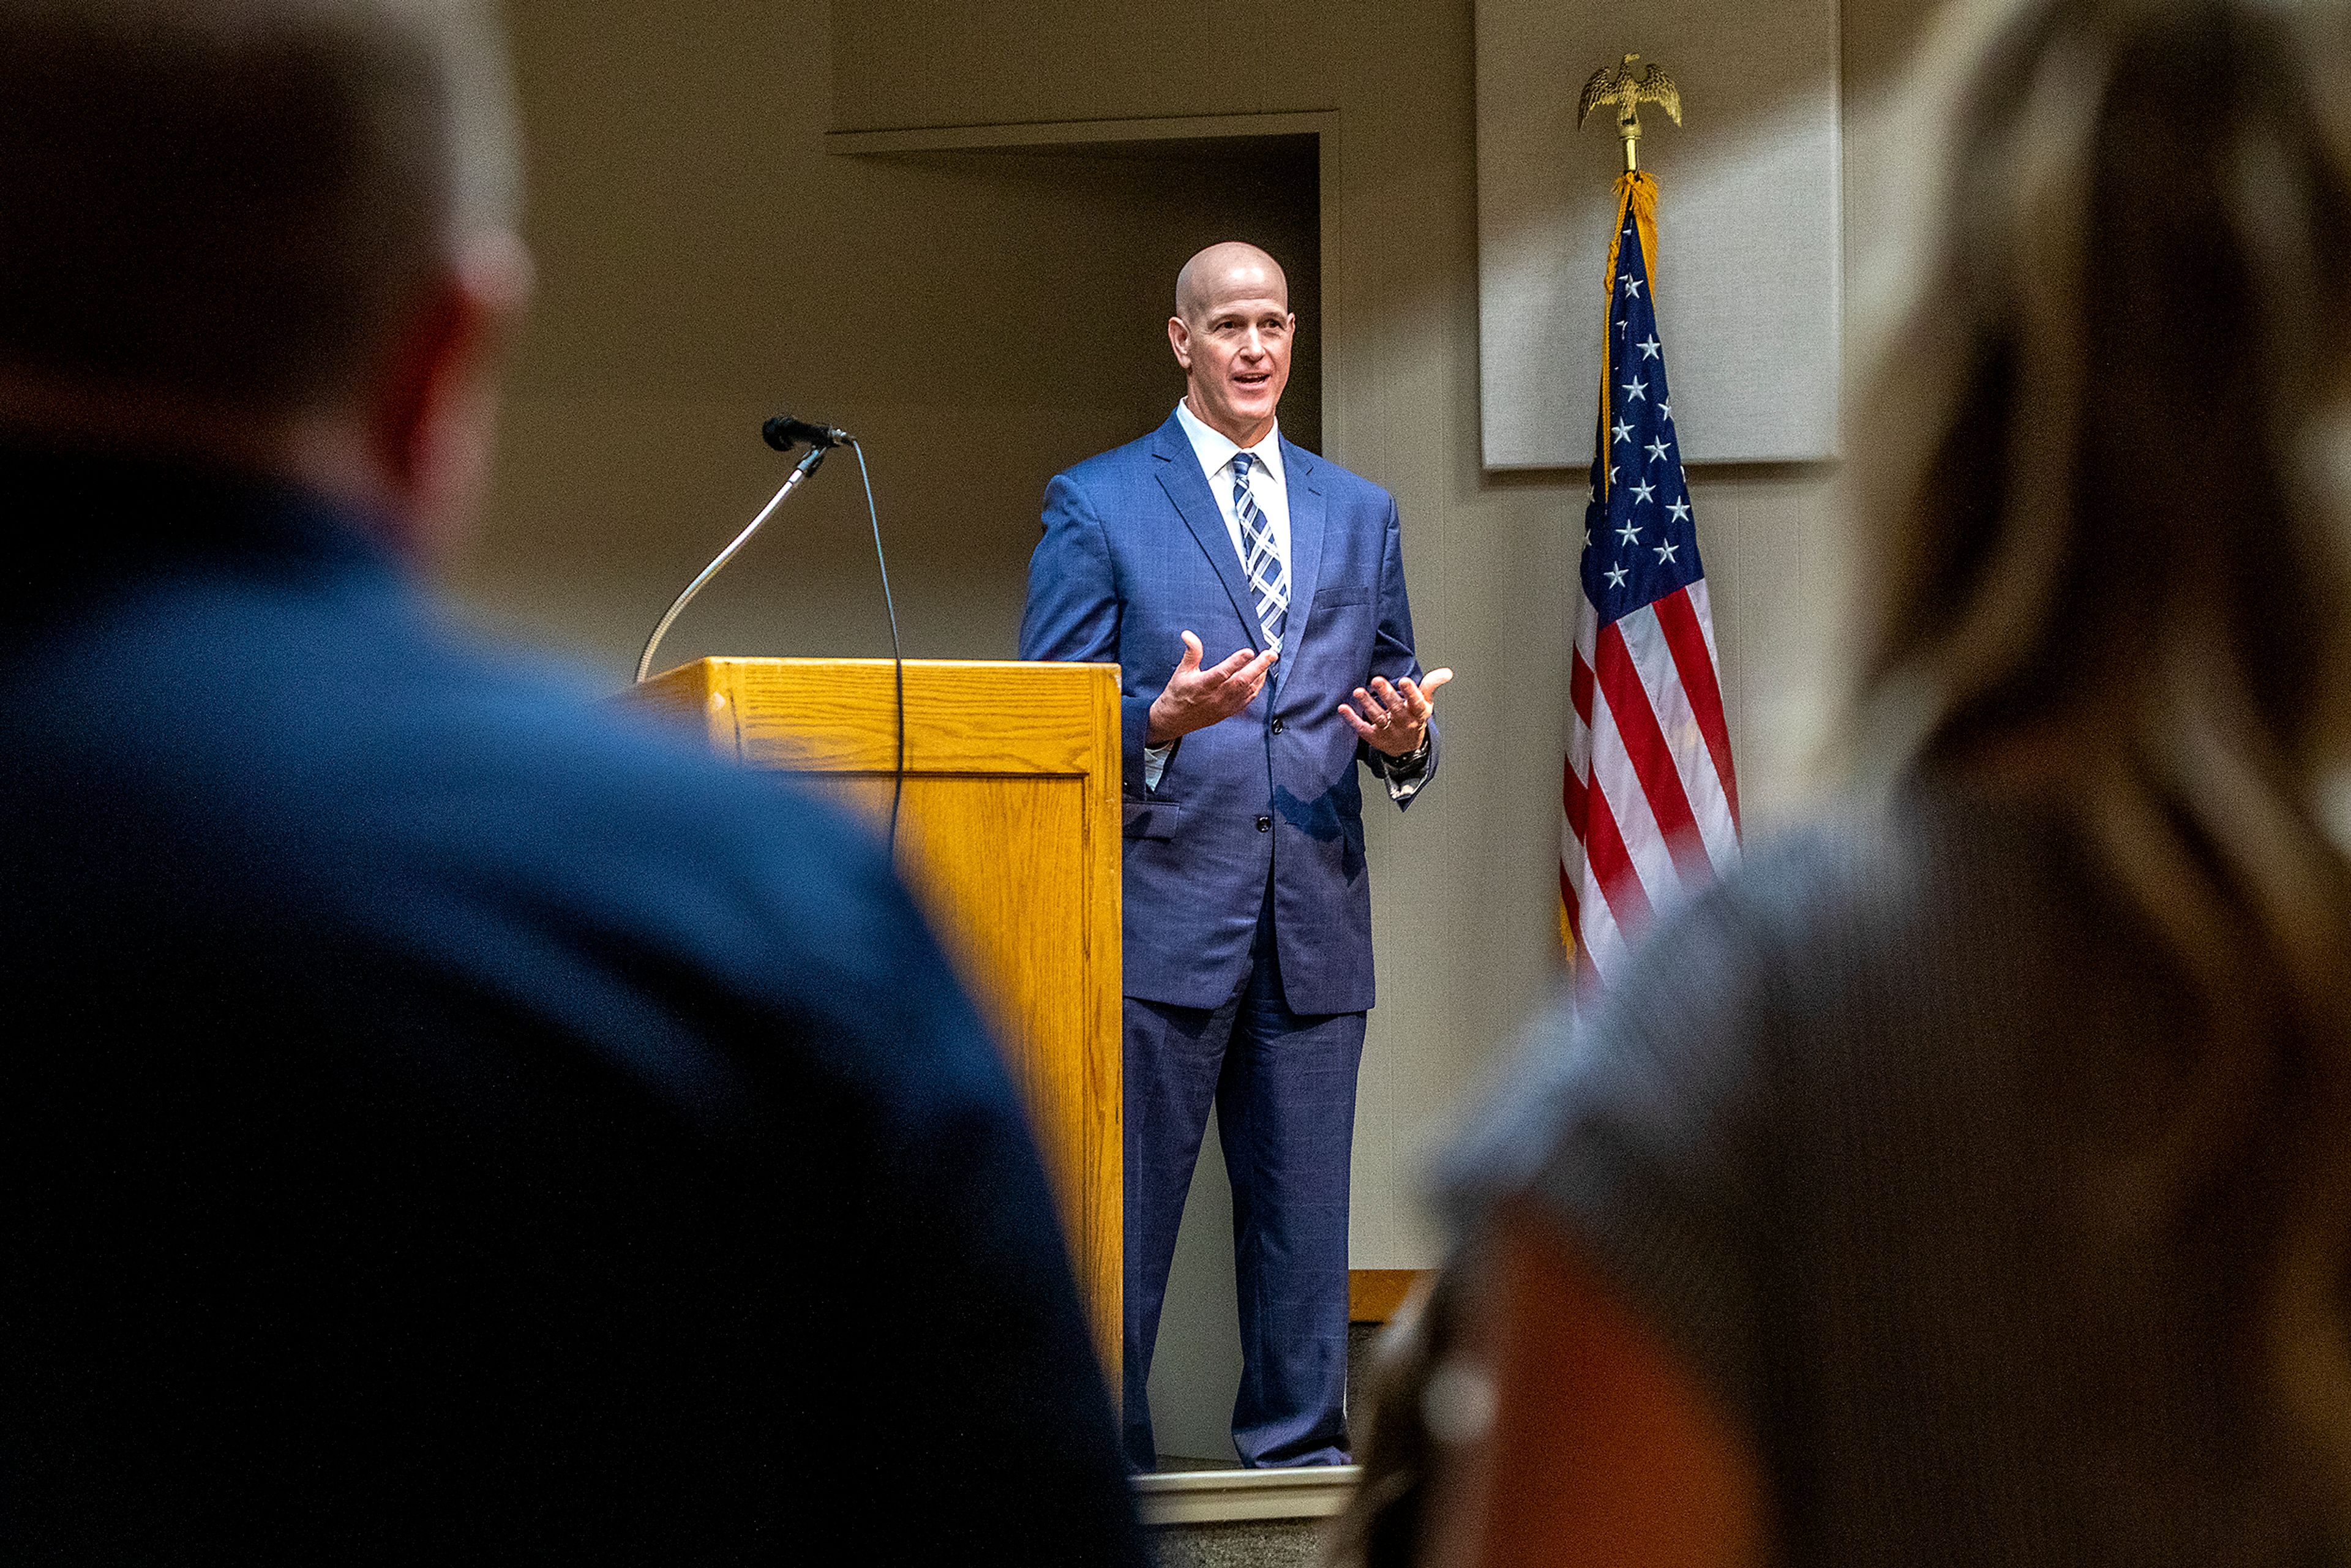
(442, 1120)
(447, 1121)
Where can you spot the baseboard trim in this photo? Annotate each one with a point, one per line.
(1213, 1497)
(1374, 1294)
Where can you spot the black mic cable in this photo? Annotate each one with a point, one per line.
(897, 658)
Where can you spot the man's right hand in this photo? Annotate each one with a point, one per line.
(1197, 698)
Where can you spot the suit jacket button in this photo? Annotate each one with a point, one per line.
(1265, 824)
(1277, 726)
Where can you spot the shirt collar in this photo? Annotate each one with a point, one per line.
(1214, 449)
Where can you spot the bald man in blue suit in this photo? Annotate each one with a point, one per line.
(1248, 923)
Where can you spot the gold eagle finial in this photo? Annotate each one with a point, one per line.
(1617, 85)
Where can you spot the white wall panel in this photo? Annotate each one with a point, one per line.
(1748, 229)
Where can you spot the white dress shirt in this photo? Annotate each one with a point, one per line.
(1267, 483)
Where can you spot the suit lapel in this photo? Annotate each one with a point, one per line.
(1306, 520)
(1187, 488)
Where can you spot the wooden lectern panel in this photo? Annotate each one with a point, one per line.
(1010, 833)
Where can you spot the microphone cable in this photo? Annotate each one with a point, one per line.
(898, 657)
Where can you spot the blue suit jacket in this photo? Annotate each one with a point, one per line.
(445, 1120)
(1135, 553)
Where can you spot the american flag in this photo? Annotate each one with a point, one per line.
(1651, 804)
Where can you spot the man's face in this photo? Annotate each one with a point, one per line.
(1235, 350)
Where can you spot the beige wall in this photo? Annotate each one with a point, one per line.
(984, 322)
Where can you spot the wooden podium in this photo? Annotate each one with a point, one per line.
(1009, 834)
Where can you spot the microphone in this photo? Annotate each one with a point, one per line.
(783, 433)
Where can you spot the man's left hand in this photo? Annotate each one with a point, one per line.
(1394, 719)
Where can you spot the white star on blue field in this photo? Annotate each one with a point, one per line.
(1640, 543)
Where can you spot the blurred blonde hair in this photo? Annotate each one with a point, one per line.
(2095, 470)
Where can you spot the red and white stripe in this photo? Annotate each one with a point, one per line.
(1650, 801)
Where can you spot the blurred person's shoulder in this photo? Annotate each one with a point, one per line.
(1925, 878)
(1810, 983)
(1864, 995)
(257, 727)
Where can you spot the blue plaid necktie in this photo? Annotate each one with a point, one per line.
(1261, 562)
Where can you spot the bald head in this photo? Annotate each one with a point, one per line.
(1228, 269)
(1232, 333)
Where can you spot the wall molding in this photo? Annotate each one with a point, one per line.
(1373, 1295)
(1074, 134)
(1215, 1497)
(1077, 136)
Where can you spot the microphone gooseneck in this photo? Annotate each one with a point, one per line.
(801, 471)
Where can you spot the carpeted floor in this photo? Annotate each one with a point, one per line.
(1244, 1543)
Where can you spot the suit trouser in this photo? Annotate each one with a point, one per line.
(1283, 1085)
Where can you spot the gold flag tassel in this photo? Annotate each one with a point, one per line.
(1636, 207)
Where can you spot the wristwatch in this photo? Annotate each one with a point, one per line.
(1417, 754)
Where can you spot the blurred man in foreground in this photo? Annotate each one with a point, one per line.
(441, 1121)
